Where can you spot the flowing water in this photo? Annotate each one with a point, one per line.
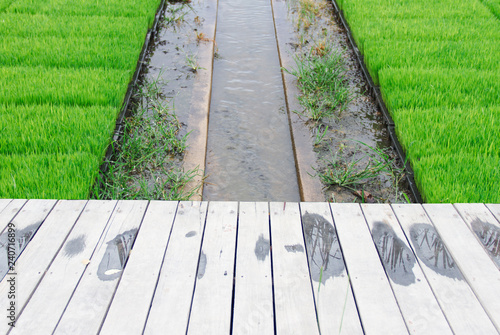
(249, 150)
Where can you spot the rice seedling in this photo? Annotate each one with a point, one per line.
(494, 6)
(437, 66)
(42, 25)
(65, 68)
(71, 52)
(83, 87)
(49, 129)
(111, 8)
(48, 176)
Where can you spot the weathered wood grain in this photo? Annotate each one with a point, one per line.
(495, 210)
(9, 212)
(293, 297)
(456, 299)
(50, 298)
(3, 204)
(335, 306)
(171, 305)
(212, 301)
(130, 306)
(253, 295)
(485, 226)
(85, 311)
(39, 253)
(477, 267)
(377, 306)
(25, 223)
(416, 300)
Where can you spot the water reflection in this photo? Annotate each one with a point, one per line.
(21, 239)
(116, 255)
(323, 249)
(397, 258)
(249, 149)
(432, 251)
(489, 235)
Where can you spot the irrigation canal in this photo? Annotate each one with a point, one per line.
(222, 68)
(249, 151)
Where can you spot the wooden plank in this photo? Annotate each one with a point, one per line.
(199, 106)
(311, 188)
(172, 299)
(212, 301)
(85, 311)
(129, 310)
(25, 223)
(293, 297)
(377, 306)
(253, 293)
(485, 226)
(476, 266)
(49, 300)
(3, 204)
(335, 304)
(39, 253)
(9, 212)
(457, 300)
(495, 210)
(416, 300)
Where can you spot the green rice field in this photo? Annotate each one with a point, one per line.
(65, 67)
(438, 67)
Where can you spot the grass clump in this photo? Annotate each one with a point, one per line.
(321, 77)
(143, 166)
(355, 171)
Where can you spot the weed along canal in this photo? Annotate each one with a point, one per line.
(253, 101)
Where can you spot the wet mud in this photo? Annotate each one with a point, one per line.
(22, 238)
(262, 247)
(361, 120)
(397, 258)
(489, 235)
(431, 250)
(323, 248)
(116, 255)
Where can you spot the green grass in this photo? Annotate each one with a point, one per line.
(64, 71)
(144, 164)
(494, 6)
(437, 66)
(71, 52)
(82, 87)
(321, 77)
(48, 176)
(62, 131)
(41, 25)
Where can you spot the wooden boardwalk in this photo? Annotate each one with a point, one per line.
(133, 267)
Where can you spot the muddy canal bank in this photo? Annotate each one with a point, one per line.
(246, 117)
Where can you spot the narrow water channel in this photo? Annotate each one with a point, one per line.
(249, 150)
